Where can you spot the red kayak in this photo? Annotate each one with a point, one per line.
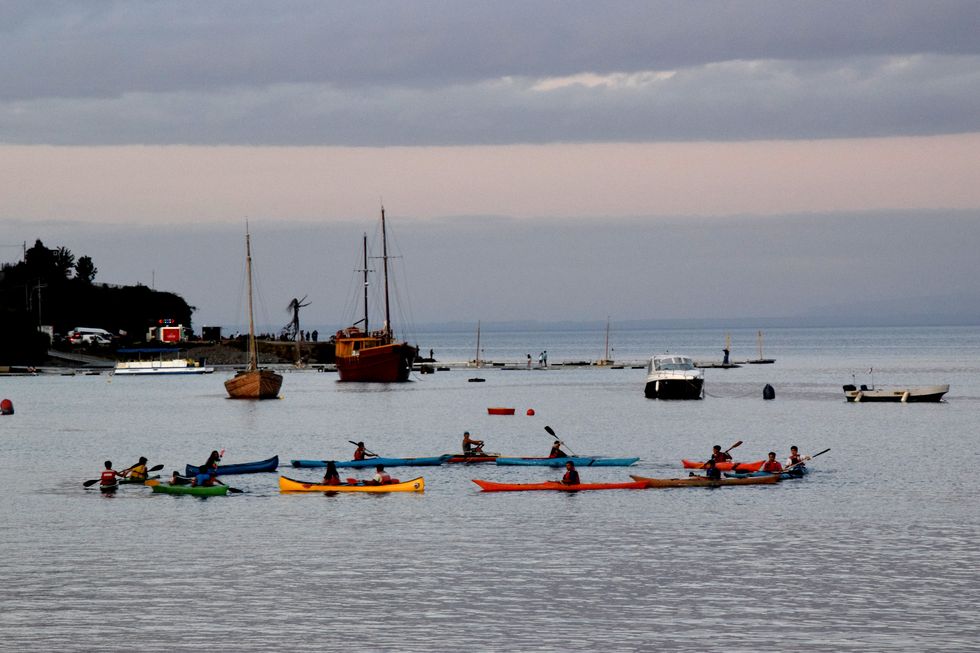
(726, 467)
(490, 486)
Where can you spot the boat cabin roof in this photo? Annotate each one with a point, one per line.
(672, 363)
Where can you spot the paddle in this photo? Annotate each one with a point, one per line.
(552, 433)
(155, 468)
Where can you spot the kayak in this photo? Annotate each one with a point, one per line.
(579, 461)
(109, 489)
(134, 481)
(798, 472)
(490, 486)
(726, 467)
(482, 457)
(292, 485)
(195, 490)
(374, 462)
(267, 465)
(701, 481)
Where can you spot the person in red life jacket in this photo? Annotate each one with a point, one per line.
(720, 456)
(381, 476)
(571, 474)
(772, 465)
(361, 453)
(331, 476)
(108, 477)
(796, 459)
(556, 451)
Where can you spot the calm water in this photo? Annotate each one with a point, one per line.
(875, 550)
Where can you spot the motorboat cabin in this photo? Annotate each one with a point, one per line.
(673, 377)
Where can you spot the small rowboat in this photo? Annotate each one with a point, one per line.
(579, 461)
(501, 411)
(194, 490)
(374, 462)
(292, 485)
(796, 472)
(726, 467)
(490, 486)
(267, 465)
(701, 481)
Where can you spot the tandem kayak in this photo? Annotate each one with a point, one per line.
(267, 465)
(726, 467)
(701, 481)
(490, 486)
(374, 462)
(194, 490)
(579, 461)
(292, 485)
(798, 472)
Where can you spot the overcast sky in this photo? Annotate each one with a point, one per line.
(538, 127)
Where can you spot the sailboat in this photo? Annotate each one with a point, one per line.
(373, 356)
(760, 360)
(253, 383)
(605, 359)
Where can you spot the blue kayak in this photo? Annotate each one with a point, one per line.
(268, 465)
(579, 461)
(798, 472)
(374, 462)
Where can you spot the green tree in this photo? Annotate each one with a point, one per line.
(64, 262)
(85, 269)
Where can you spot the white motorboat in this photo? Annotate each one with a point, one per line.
(918, 394)
(158, 361)
(673, 377)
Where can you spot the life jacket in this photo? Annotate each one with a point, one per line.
(570, 477)
(721, 457)
(772, 466)
(382, 478)
(556, 452)
(108, 477)
(359, 454)
(333, 480)
(138, 472)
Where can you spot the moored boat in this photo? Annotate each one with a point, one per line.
(373, 356)
(292, 485)
(158, 361)
(490, 486)
(920, 394)
(701, 481)
(726, 467)
(373, 462)
(579, 461)
(673, 377)
(267, 465)
(193, 490)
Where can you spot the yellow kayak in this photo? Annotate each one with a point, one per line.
(292, 485)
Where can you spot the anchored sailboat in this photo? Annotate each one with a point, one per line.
(373, 356)
(253, 383)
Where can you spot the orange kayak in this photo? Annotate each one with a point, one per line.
(490, 486)
(700, 481)
(726, 467)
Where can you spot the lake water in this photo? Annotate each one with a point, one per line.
(875, 550)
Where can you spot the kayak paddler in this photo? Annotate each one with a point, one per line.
(138, 471)
(212, 462)
(381, 476)
(108, 476)
(571, 474)
(772, 465)
(795, 459)
(331, 476)
(361, 453)
(720, 456)
(470, 445)
(711, 471)
(556, 451)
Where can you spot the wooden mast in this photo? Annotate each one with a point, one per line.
(253, 353)
(366, 328)
(607, 339)
(384, 256)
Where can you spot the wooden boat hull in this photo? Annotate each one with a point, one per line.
(267, 465)
(292, 485)
(391, 363)
(257, 384)
(374, 462)
(700, 481)
(490, 486)
(193, 490)
(726, 467)
(923, 394)
(579, 461)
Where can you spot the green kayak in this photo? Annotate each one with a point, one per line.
(195, 490)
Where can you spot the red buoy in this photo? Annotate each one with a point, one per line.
(6, 407)
(530, 411)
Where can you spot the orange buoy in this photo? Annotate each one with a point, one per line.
(6, 407)
(530, 411)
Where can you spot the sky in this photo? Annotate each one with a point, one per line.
(548, 161)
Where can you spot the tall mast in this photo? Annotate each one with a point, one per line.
(366, 329)
(478, 344)
(607, 338)
(253, 354)
(384, 256)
